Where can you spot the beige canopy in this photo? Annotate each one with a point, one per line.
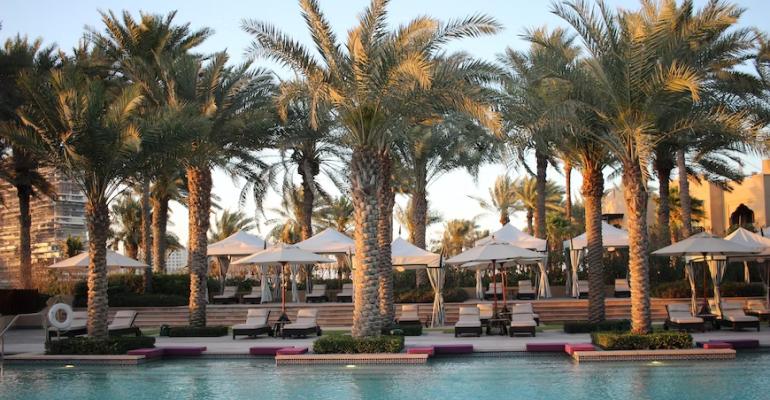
(516, 237)
(283, 254)
(114, 260)
(408, 256)
(329, 241)
(238, 244)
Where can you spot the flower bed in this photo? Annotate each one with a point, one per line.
(345, 344)
(651, 341)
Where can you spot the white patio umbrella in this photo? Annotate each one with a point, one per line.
(762, 244)
(114, 260)
(405, 255)
(714, 251)
(239, 244)
(282, 255)
(494, 252)
(329, 241)
(516, 237)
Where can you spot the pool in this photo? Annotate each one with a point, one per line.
(515, 377)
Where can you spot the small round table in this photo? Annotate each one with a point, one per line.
(501, 324)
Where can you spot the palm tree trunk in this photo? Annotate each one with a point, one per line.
(308, 197)
(159, 224)
(663, 167)
(685, 202)
(132, 251)
(568, 189)
(635, 194)
(146, 242)
(540, 183)
(419, 219)
(386, 201)
(24, 193)
(98, 222)
(592, 191)
(530, 213)
(364, 182)
(504, 219)
(199, 203)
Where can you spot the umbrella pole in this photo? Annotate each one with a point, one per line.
(283, 291)
(705, 309)
(494, 288)
(503, 274)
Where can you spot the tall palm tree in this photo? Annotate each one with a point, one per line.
(170, 184)
(527, 193)
(459, 234)
(371, 86)
(81, 120)
(335, 213)
(405, 218)
(288, 223)
(637, 75)
(21, 169)
(127, 214)
(228, 223)
(501, 198)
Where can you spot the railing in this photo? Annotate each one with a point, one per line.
(10, 324)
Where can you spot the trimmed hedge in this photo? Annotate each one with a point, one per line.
(91, 346)
(587, 327)
(124, 290)
(425, 295)
(681, 289)
(346, 344)
(206, 331)
(651, 341)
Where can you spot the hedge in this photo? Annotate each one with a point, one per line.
(588, 327)
(123, 290)
(681, 289)
(651, 341)
(345, 344)
(91, 346)
(188, 331)
(425, 295)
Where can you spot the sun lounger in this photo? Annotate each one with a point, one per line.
(486, 311)
(525, 290)
(254, 297)
(346, 294)
(469, 322)
(317, 295)
(734, 317)
(679, 317)
(490, 293)
(525, 308)
(77, 327)
(410, 315)
(304, 325)
(256, 323)
(621, 288)
(522, 323)
(757, 309)
(227, 296)
(123, 324)
(583, 289)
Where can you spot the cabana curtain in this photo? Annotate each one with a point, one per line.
(717, 270)
(543, 288)
(479, 285)
(690, 273)
(266, 295)
(294, 268)
(437, 276)
(575, 257)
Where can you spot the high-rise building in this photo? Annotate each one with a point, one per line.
(176, 261)
(52, 222)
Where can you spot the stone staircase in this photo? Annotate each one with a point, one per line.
(341, 314)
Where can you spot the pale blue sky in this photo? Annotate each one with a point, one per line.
(63, 22)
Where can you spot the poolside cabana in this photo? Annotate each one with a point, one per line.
(240, 244)
(612, 238)
(750, 239)
(714, 251)
(114, 260)
(494, 252)
(406, 256)
(281, 256)
(327, 242)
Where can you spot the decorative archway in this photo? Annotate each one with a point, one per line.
(742, 216)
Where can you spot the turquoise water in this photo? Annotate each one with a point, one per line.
(551, 377)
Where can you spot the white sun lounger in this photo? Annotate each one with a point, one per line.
(256, 323)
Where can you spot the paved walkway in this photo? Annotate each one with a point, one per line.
(31, 340)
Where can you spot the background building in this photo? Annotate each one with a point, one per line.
(52, 222)
(176, 261)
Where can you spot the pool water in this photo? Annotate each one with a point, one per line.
(515, 377)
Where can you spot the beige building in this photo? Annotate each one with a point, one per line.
(614, 208)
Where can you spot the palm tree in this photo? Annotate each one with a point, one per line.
(81, 122)
(636, 73)
(230, 223)
(526, 194)
(127, 214)
(371, 86)
(502, 199)
(335, 213)
(170, 184)
(697, 213)
(459, 234)
(405, 218)
(288, 224)
(21, 169)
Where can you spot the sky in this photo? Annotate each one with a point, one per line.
(64, 22)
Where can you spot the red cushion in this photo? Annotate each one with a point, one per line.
(717, 345)
(430, 351)
(147, 353)
(453, 348)
(570, 348)
(291, 351)
(265, 350)
(545, 347)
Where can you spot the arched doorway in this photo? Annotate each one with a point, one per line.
(742, 216)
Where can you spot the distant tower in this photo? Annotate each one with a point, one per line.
(52, 222)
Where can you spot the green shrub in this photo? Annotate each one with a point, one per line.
(244, 285)
(425, 295)
(91, 346)
(206, 331)
(409, 330)
(681, 289)
(651, 341)
(128, 284)
(345, 344)
(587, 327)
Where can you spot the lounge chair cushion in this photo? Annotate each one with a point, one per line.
(255, 318)
(306, 319)
(123, 319)
(522, 320)
(256, 293)
(409, 312)
(228, 293)
(469, 318)
(485, 310)
(522, 308)
(757, 306)
(525, 287)
(492, 289)
(680, 314)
